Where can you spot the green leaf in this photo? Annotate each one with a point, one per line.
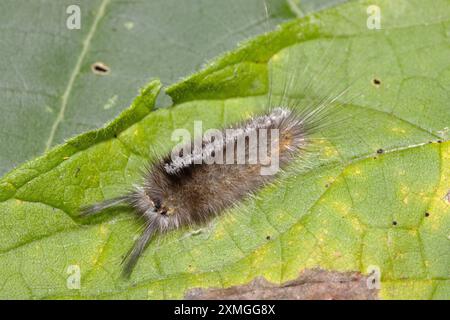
(48, 91)
(336, 213)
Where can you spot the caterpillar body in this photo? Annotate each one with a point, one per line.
(191, 189)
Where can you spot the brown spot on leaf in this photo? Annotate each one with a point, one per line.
(313, 284)
(100, 68)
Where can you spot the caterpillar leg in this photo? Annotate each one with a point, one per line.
(133, 255)
(98, 207)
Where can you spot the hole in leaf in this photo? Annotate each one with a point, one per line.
(376, 82)
(100, 68)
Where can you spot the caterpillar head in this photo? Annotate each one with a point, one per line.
(155, 207)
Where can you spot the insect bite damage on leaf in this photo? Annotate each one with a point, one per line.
(100, 68)
(376, 82)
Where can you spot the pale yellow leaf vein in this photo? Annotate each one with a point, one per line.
(75, 72)
(295, 8)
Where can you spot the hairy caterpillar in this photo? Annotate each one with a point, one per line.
(188, 190)
(192, 188)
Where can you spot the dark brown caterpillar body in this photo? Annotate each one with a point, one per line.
(191, 189)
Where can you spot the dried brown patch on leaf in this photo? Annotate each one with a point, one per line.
(314, 284)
